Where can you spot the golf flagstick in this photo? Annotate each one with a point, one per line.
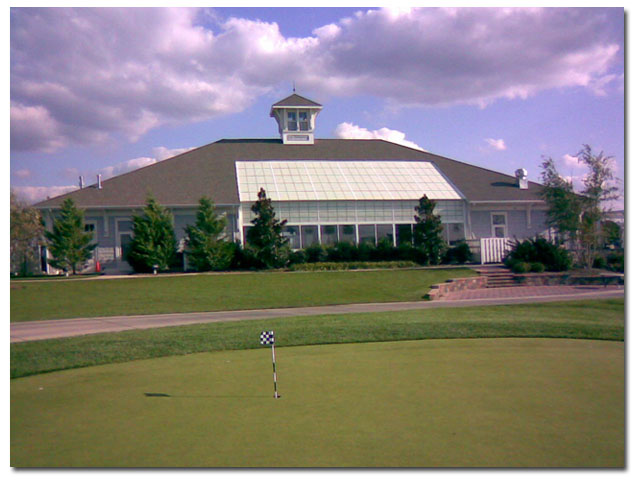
(268, 338)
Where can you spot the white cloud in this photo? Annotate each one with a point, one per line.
(496, 144)
(349, 130)
(22, 173)
(33, 128)
(127, 166)
(126, 72)
(158, 154)
(162, 153)
(572, 161)
(32, 195)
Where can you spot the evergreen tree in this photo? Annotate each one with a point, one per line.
(27, 230)
(265, 236)
(153, 245)
(68, 243)
(427, 233)
(206, 246)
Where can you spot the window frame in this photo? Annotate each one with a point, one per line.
(499, 225)
(295, 113)
(94, 232)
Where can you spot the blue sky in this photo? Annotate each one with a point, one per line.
(107, 90)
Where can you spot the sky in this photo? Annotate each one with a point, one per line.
(106, 90)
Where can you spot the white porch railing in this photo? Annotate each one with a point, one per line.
(493, 250)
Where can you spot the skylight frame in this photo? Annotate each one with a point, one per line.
(335, 180)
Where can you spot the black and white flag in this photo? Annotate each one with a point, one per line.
(267, 338)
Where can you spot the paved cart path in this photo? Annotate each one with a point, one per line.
(48, 329)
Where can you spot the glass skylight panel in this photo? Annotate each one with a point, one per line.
(342, 180)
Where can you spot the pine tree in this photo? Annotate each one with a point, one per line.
(153, 246)
(265, 236)
(68, 243)
(427, 233)
(206, 245)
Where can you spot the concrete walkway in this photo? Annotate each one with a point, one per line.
(48, 329)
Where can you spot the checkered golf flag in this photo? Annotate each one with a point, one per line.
(267, 338)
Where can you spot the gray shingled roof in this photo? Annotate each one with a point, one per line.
(210, 171)
(296, 100)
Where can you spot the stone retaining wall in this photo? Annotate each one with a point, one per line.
(545, 279)
(455, 285)
(532, 279)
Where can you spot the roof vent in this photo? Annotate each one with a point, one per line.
(99, 181)
(81, 182)
(521, 176)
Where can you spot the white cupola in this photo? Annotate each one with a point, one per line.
(296, 117)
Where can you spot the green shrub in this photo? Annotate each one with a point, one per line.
(615, 262)
(460, 253)
(365, 251)
(342, 252)
(245, 259)
(408, 252)
(553, 257)
(315, 253)
(537, 267)
(297, 256)
(384, 251)
(599, 262)
(521, 267)
(328, 266)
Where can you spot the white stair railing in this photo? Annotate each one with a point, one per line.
(493, 250)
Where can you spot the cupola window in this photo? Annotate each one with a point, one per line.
(298, 121)
(292, 121)
(303, 119)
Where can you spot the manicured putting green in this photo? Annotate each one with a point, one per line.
(428, 403)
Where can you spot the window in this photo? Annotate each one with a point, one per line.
(348, 233)
(403, 234)
(367, 233)
(303, 119)
(455, 232)
(91, 227)
(385, 231)
(292, 234)
(298, 121)
(329, 234)
(499, 224)
(292, 121)
(309, 235)
(124, 237)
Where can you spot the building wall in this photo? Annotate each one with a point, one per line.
(517, 223)
(328, 222)
(112, 226)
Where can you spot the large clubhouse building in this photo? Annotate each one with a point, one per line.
(328, 190)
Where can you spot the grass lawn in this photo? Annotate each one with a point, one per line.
(42, 300)
(586, 319)
(508, 402)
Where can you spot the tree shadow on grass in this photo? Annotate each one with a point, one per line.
(166, 395)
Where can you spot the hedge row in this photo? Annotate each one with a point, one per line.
(325, 266)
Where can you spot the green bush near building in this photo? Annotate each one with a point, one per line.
(537, 250)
